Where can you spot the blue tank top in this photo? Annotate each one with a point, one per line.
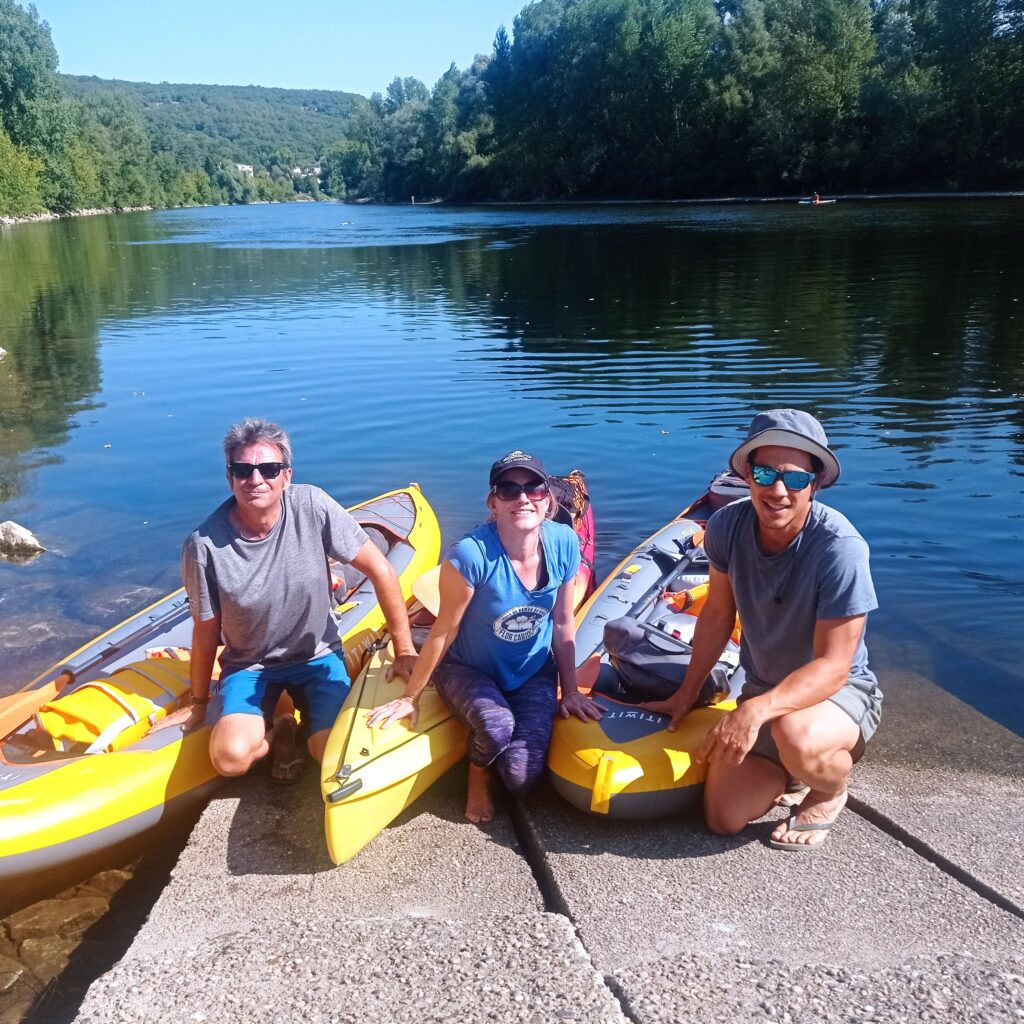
(506, 629)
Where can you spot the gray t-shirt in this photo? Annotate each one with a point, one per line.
(274, 595)
(823, 574)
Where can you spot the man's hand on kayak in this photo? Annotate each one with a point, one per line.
(675, 710)
(189, 717)
(733, 737)
(402, 666)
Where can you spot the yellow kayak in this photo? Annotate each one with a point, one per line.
(80, 769)
(627, 765)
(370, 776)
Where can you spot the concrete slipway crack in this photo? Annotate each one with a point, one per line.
(929, 853)
(554, 901)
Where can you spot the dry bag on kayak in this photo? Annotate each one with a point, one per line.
(651, 663)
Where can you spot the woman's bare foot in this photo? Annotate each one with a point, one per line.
(479, 802)
(810, 823)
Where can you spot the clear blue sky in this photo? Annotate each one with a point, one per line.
(352, 45)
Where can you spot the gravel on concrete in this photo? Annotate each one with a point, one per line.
(526, 968)
(945, 989)
(438, 920)
(259, 851)
(643, 891)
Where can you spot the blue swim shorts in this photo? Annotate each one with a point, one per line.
(318, 688)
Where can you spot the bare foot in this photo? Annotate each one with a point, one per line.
(792, 797)
(479, 803)
(810, 824)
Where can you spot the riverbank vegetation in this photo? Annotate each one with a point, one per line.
(584, 99)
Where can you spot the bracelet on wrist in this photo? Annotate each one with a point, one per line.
(198, 702)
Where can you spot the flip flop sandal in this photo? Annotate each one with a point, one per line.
(825, 826)
(286, 766)
(287, 773)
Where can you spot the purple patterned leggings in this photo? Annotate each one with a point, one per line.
(509, 731)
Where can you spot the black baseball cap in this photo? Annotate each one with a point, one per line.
(516, 460)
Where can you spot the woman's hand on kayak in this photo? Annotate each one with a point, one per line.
(394, 711)
(676, 712)
(575, 703)
(188, 717)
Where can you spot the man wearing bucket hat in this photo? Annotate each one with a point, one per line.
(797, 573)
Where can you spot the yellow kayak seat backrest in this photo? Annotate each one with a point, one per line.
(112, 712)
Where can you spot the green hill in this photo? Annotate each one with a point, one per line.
(244, 124)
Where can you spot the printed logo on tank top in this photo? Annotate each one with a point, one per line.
(518, 624)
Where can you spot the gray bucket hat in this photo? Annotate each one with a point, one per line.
(790, 428)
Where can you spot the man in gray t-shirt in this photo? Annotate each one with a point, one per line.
(258, 579)
(797, 573)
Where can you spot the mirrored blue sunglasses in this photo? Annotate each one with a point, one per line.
(794, 479)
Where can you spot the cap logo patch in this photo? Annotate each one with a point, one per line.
(516, 457)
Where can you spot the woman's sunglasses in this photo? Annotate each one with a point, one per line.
(794, 479)
(268, 470)
(507, 490)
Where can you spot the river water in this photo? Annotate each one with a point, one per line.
(418, 343)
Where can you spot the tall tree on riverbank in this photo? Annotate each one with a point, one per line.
(33, 110)
(20, 193)
(789, 89)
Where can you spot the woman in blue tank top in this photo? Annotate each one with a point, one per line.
(505, 635)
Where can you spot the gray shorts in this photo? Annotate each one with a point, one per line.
(864, 706)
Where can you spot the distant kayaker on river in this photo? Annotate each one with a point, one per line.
(504, 638)
(256, 573)
(797, 572)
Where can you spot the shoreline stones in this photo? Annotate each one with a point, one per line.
(35, 218)
(37, 941)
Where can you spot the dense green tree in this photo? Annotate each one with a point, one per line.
(473, 145)
(19, 180)
(791, 87)
(113, 129)
(33, 110)
(402, 91)
(899, 102)
(28, 73)
(346, 168)
(405, 172)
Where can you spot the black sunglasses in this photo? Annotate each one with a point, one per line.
(508, 490)
(794, 479)
(268, 470)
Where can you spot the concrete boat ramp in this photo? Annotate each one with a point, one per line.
(913, 911)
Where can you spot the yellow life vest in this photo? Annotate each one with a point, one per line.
(110, 713)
